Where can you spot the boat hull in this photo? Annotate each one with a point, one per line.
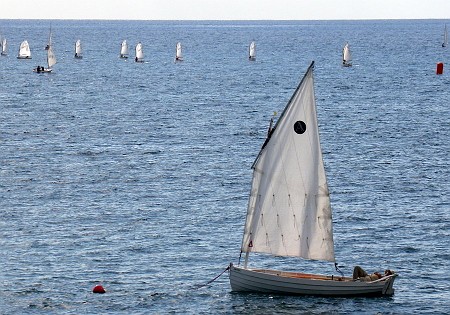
(45, 70)
(291, 283)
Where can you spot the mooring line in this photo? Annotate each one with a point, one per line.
(212, 280)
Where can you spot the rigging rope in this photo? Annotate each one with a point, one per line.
(337, 269)
(212, 280)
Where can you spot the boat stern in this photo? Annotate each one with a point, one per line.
(388, 288)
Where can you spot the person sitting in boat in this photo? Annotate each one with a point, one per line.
(38, 69)
(362, 275)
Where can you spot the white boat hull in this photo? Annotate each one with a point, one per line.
(291, 283)
(45, 70)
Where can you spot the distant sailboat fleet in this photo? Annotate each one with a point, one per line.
(25, 51)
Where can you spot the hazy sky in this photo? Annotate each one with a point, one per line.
(224, 9)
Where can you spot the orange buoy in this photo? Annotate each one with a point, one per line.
(439, 68)
(98, 289)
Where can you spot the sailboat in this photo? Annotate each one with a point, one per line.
(139, 53)
(346, 56)
(4, 46)
(24, 51)
(78, 50)
(252, 51)
(124, 49)
(178, 52)
(51, 60)
(289, 210)
(445, 43)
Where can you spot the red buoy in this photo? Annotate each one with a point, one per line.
(439, 68)
(98, 289)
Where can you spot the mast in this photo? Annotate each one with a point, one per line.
(445, 43)
(49, 43)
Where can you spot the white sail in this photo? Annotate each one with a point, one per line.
(124, 49)
(252, 51)
(346, 55)
(179, 52)
(51, 58)
(445, 43)
(139, 52)
(24, 51)
(289, 212)
(78, 49)
(4, 46)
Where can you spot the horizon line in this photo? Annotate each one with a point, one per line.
(223, 20)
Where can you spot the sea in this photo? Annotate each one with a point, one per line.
(136, 176)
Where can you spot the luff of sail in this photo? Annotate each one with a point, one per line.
(124, 49)
(289, 211)
(24, 51)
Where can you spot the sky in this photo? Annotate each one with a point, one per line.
(225, 9)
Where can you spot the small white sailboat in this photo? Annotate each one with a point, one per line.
(346, 56)
(78, 50)
(178, 52)
(289, 211)
(445, 42)
(124, 49)
(24, 51)
(252, 51)
(51, 60)
(3, 46)
(139, 53)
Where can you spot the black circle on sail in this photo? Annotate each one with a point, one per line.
(299, 127)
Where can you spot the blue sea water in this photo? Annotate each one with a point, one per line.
(136, 176)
